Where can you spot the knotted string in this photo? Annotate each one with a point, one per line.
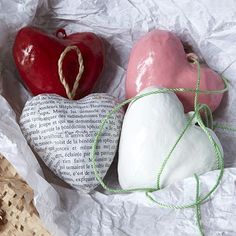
(197, 116)
(70, 93)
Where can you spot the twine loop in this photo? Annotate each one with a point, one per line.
(192, 57)
(70, 93)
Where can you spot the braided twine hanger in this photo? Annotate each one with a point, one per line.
(70, 93)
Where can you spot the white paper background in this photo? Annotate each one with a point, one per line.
(209, 26)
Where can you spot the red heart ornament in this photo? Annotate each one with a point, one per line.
(159, 59)
(36, 55)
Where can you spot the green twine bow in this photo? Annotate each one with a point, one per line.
(198, 108)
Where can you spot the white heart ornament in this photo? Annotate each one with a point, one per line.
(62, 132)
(151, 127)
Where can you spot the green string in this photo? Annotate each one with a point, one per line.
(224, 127)
(171, 151)
(196, 115)
(197, 208)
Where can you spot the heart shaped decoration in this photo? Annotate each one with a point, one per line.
(158, 59)
(37, 56)
(62, 132)
(150, 128)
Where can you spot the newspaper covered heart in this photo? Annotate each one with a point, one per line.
(62, 131)
(150, 129)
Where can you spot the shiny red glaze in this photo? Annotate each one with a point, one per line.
(36, 56)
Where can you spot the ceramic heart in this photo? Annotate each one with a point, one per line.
(61, 132)
(36, 56)
(158, 59)
(150, 128)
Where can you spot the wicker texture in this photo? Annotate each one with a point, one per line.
(18, 216)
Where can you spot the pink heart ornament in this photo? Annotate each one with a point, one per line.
(159, 59)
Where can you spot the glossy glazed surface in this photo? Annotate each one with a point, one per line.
(36, 56)
(150, 128)
(159, 59)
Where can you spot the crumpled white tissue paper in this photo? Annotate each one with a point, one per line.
(209, 26)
